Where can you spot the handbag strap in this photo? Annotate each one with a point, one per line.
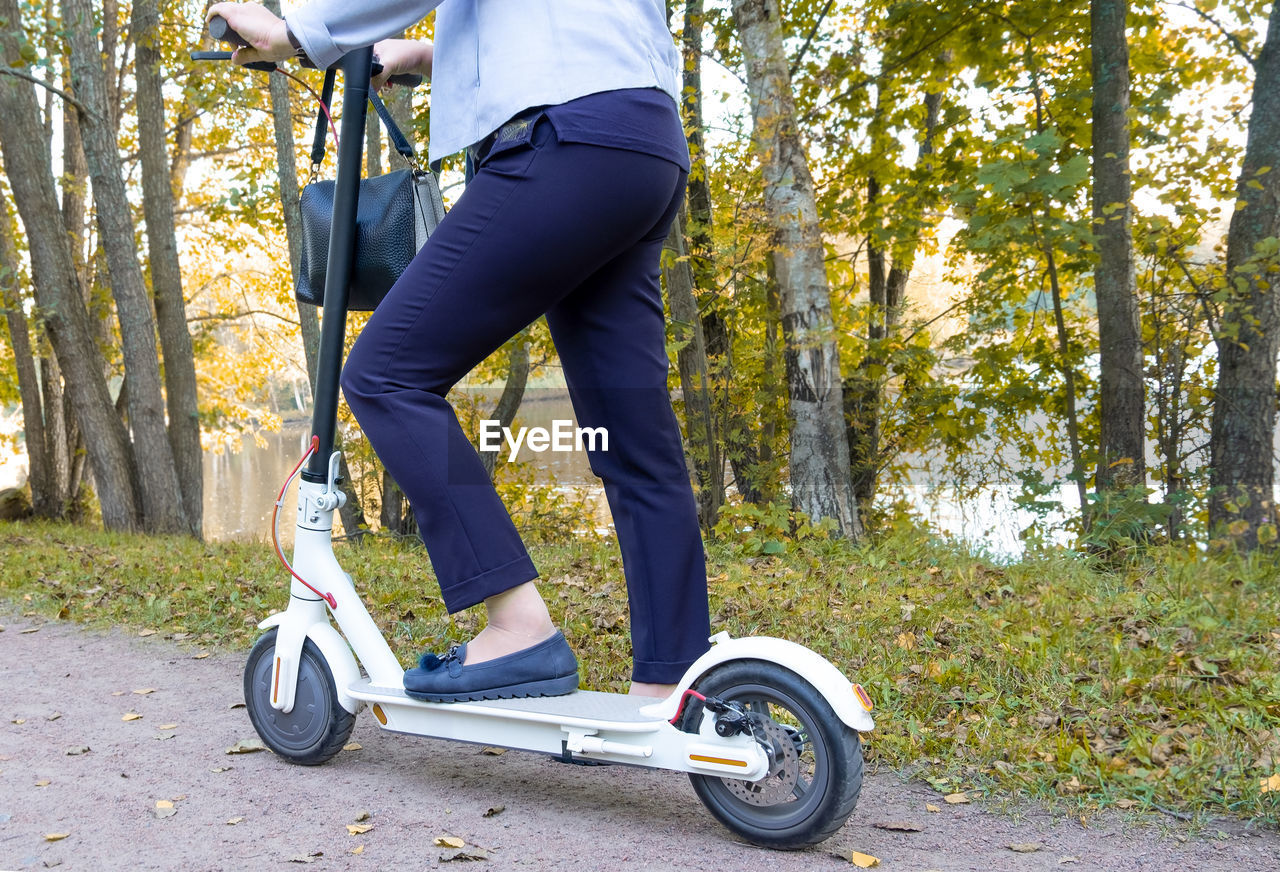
(398, 140)
(317, 142)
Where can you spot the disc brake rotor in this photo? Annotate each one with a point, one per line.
(779, 785)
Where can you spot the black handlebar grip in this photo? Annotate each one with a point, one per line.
(409, 80)
(219, 29)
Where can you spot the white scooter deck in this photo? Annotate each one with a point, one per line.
(584, 726)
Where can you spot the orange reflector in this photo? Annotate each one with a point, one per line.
(379, 714)
(275, 691)
(863, 697)
(723, 761)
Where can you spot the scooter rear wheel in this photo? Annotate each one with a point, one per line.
(317, 727)
(817, 776)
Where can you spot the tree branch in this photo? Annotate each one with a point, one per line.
(1231, 37)
(43, 84)
(795, 65)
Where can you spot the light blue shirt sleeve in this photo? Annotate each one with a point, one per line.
(328, 29)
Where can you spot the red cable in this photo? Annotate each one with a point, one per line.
(684, 699)
(275, 528)
(324, 107)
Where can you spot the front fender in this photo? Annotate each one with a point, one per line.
(337, 654)
(812, 667)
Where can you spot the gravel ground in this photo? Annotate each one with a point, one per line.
(66, 688)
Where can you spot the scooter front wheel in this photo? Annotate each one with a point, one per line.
(814, 781)
(317, 727)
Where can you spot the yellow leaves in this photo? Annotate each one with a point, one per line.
(931, 808)
(1269, 784)
(131, 716)
(164, 808)
(43, 782)
(1024, 847)
(863, 861)
(231, 822)
(353, 746)
(55, 837)
(960, 798)
(144, 691)
(448, 842)
(358, 829)
(907, 641)
(358, 849)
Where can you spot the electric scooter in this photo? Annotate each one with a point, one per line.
(766, 729)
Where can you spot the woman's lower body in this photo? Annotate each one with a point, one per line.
(575, 232)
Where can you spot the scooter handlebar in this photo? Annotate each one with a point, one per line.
(220, 30)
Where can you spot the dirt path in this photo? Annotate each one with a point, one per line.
(72, 688)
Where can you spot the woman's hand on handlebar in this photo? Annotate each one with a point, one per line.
(402, 56)
(264, 31)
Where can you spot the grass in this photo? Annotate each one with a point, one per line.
(1153, 685)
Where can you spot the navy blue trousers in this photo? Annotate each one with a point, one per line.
(575, 232)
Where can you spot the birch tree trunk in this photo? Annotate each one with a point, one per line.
(1122, 402)
(820, 478)
(1242, 453)
(166, 271)
(44, 502)
(156, 473)
(66, 320)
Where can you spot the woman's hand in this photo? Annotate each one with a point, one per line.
(265, 32)
(399, 56)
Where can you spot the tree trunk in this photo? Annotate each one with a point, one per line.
(166, 271)
(1241, 480)
(66, 319)
(1122, 404)
(44, 501)
(157, 474)
(701, 445)
(819, 461)
(512, 394)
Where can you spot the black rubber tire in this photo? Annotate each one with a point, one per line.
(827, 744)
(318, 726)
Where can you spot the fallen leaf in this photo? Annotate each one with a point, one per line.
(77, 750)
(219, 768)
(1024, 847)
(1126, 803)
(1270, 784)
(53, 717)
(1068, 859)
(864, 861)
(898, 826)
(200, 656)
(145, 633)
(167, 727)
(160, 737)
(359, 829)
(19, 721)
(247, 746)
(231, 822)
(362, 816)
(495, 810)
(164, 808)
(956, 798)
(907, 641)
(493, 752)
(117, 693)
(307, 858)
(236, 705)
(51, 862)
(471, 853)
(43, 782)
(358, 849)
(131, 716)
(928, 806)
(144, 691)
(448, 842)
(55, 837)
(24, 633)
(352, 746)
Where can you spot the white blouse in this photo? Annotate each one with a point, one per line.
(494, 58)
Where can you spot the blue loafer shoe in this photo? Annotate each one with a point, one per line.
(549, 668)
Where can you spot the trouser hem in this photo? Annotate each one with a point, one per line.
(659, 671)
(474, 590)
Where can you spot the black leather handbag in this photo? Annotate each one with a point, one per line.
(396, 214)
